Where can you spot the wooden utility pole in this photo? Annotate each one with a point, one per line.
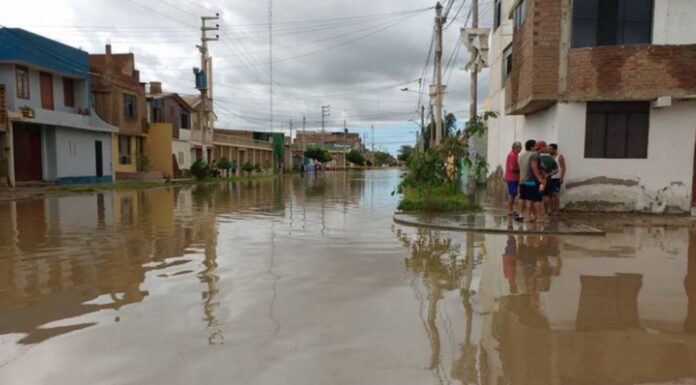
(473, 106)
(325, 112)
(439, 21)
(204, 83)
(422, 134)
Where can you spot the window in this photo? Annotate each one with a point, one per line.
(611, 22)
(497, 14)
(185, 120)
(157, 111)
(130, 107)
(519, 15)
(507, 63)
(124, 150)
(22, 74)
(68, 92)
(180, 157)
(617, 130)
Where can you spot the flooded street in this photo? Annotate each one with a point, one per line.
(309, 281)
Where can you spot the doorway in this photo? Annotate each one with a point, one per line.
(27, 153)
(98, 158)
(46, 81)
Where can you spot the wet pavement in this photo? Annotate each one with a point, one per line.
(309, 281)
(493, 220)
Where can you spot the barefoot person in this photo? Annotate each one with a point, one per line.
(523, 161)
(512, 176)
(557, 179)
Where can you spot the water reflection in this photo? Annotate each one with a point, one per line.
(548, 313)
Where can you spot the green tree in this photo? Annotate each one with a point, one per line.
(200, 169)
(248, 167)
(225, 165)
(382, 158)
(404, 152)
(356, 157)
(318, 154)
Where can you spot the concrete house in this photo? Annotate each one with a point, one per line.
(613, 82)
(53, 134)
(119, 99)
(169, 115)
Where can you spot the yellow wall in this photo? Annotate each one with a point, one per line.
(133, 167)
(159, 148)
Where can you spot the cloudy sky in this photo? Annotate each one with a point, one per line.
(354, 55)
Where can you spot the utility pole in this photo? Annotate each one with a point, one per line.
(439, 21)
(345, 142)
(473, 106)
(304, 123)
(204, 83)
(270, 59)
(325, 112)
(422, 147)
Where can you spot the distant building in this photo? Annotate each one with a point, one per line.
(172, 115)
(613, 84)
(337, 143)
(243, 146)
(52, 132)
(119, 99)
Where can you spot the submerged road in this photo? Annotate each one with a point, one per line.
(309, 281)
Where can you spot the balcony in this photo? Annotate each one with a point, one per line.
(236, 141)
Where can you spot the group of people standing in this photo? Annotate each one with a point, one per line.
(534, 177)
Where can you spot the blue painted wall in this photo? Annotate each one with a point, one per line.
(18, 45)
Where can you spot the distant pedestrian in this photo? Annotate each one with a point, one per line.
(523, 162)
(557, 179)
(512, 176)
(234, 168)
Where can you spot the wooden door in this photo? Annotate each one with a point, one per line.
(27, 153)
(46, 91)
(98, 158)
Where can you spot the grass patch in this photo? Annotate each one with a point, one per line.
(139, 185)
(435, 200)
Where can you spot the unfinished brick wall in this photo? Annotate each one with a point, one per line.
(632, 72)
(533, 82)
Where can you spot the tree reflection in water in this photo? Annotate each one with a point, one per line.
(438, 260)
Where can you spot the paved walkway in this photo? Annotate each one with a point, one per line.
(495, 222)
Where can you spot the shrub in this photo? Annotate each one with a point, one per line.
(248, 167)
(355, 157)
(143, 163)
(435, 200)
(318, 154)
(200, 169)
(257, 167)
(225, 165)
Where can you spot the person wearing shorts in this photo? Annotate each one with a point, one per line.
(535, 183)
(557, 179)
(523, 161)
(512, 176)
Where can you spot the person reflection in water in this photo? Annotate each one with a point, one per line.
(510, 263)
(531, 260)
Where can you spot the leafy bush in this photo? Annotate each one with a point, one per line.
(405, 152)
(248, 167)
(355, 157)
(435, 200)
(143, 163)
(318, 154)
(200, 169)
(224, 164)
(257, 167)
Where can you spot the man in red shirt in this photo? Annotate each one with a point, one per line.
(512, 176)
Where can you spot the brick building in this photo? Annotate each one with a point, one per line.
(119, 99)
(613, 82)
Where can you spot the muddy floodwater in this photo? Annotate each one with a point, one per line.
(309, 281)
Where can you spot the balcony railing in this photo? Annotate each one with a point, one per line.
(232, 140)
